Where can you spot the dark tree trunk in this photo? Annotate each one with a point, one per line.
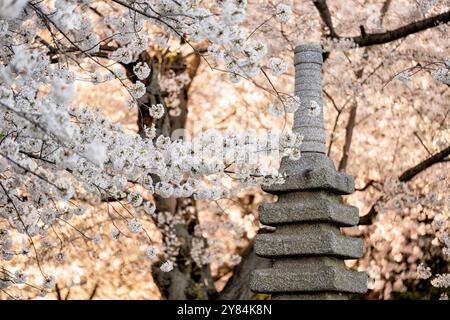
(187, 280)
(237, 287)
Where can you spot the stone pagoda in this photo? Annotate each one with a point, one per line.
(307, 247)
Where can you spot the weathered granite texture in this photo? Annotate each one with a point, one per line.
(307, 247)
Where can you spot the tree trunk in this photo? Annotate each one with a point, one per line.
(237, 287)
(187, 280)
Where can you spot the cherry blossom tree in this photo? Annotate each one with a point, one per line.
(54, 154)
(386, 70)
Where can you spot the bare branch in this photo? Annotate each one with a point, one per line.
(370, 39)
(325, 14)
(407, 176)
(425, 164)
(94, 292)
(368, 218)
(384, 10)
(422, 143)
(348, 137)
(371, 183)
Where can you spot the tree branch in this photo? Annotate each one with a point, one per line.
(370, 39)
(368, 218)
(371, 183)
(325, 14)
(384, 10)
(422, 143)
(348, 137)
(407, 176)
(412, 172)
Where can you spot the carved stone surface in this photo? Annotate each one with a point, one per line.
(307, 247)
(312, 171)
(324, 279)
(308, 207)
(305, 243)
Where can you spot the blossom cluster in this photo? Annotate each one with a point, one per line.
(53, 155)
